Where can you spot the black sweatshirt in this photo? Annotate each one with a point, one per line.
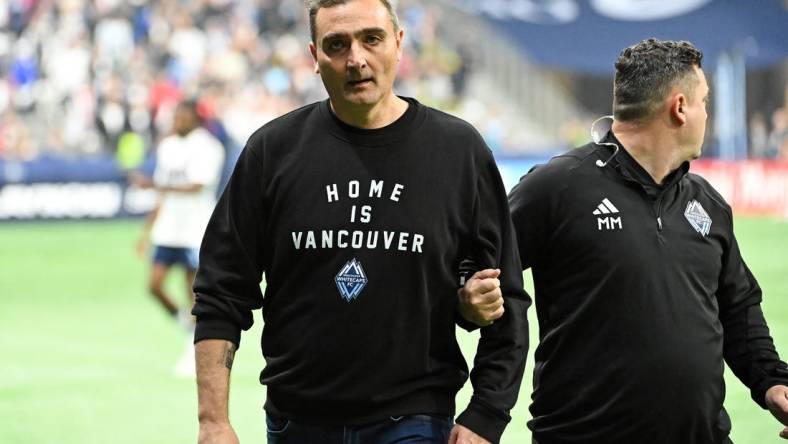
(640, 292)
(360, 235)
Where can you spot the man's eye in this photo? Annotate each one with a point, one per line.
(372, 39)
(336, 45)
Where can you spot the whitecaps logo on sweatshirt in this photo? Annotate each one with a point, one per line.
(698, 217)
(350, 280)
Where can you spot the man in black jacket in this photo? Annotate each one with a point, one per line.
(641, 291)
(358, 209)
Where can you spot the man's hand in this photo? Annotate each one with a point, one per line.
(142, 246)
(462, 435)
(481, 301)
(777, 401)
(217, 433)
(139, 180)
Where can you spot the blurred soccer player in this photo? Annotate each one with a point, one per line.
(641, 292)
(189, 163)
(359, 209)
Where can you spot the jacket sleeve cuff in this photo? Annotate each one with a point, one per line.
(464, 323)
(759, 393)
(777, 375)
(217, 328)
(483, 422)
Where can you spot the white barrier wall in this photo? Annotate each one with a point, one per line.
(753, 187)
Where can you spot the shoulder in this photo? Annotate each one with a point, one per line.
(546, 185)
(452, 127)
(168, 142)
(283, 127)
(705, 188)
(559, 169)
(204, 138)
(451, 139)
(576, 158)
(449, 122)
(170, 149)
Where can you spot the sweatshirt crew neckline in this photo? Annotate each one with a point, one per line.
(409, 121)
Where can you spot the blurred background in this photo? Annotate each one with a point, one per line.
(88, 88)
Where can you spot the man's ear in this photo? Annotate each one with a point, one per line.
(678, 108)
(400, 36)
(313, 51)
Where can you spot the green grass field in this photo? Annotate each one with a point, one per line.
(86, 356)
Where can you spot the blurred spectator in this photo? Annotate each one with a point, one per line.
(92, 71)
(759, 136)
(15, 141)
(778, 138)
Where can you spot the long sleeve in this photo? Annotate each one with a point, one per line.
(748, 347)
(227, 285)
(530, 207)
(503, 346)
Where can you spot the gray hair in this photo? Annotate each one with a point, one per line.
(646, 72)
(313, 5)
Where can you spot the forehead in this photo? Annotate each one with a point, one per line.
(352, 17)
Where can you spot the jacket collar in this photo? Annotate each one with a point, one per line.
(628, 166)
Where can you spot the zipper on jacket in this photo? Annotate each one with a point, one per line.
(659, 211)
(675, 181)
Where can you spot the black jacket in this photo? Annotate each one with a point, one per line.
(360, 234)
(641, 292)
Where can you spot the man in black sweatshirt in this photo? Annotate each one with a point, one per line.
(358, 209)
(641, 291)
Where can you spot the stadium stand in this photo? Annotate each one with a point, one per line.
(88, 77)
(87, 87)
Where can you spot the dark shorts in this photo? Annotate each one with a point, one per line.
(411, 429)
(188, 257)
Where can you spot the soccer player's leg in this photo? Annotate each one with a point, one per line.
(188, 259)
(162, 262)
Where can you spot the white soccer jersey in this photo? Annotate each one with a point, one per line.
(197, 158)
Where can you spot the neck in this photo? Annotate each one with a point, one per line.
(185, 132)
(373, 116)
(651, 146)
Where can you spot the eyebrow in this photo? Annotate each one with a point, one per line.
(334, 35)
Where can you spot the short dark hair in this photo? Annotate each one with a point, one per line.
(193, 106)
(313, 5)
(646, 72)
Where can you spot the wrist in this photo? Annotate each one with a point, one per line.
(212, 419)
(775, 390)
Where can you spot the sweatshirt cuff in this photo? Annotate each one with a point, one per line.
(759, 393)
(464, 323)
(483, 421)
(216, 328)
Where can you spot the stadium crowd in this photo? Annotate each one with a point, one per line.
(769, 136)
(82, 77)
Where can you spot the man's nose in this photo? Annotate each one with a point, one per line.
(357, 58)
